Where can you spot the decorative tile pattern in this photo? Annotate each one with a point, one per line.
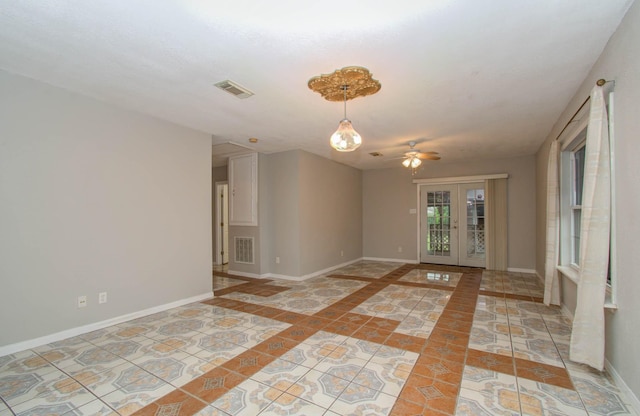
(102, 383)
(54, 397)
(432, 277)
(488, 392)
(318, 388)
(373, 338)
(94, 408)
(357, 399)
(539, 398)
(599, 396)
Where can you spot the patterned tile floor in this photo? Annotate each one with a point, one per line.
(373, 338)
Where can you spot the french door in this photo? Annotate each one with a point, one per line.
(452, 224)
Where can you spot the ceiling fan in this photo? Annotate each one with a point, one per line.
(414, 157)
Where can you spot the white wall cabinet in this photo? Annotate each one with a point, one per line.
(243, 190)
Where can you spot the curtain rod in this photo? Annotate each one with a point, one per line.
(599, 83)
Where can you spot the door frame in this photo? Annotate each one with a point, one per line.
(458, 226)
(453, 258)
(221, 242)
(446, 181)
(463, 226)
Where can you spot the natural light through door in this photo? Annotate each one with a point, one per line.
(452, 224)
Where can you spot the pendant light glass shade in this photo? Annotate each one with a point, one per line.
(345, 139)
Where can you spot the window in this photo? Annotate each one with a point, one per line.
(577, 179)
(571, 174)
(571, 180)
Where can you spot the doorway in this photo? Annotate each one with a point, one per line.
(222, 225)
(452, 224)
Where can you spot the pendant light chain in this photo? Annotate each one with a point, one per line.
(345, 139)
(344, 90)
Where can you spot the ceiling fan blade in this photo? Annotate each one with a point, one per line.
(428, 156)
(414, 153)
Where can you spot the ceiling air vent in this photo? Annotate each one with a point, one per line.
(375, 154)
(234, 89)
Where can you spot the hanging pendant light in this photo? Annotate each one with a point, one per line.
(341, 85)
(345, 139)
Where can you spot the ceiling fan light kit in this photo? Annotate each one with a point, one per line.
(412, 161)
(341, 85)
(413, 158)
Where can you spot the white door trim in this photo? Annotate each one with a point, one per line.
(465, 259)
(460, 179)
(431, 182)
(219, 235)
(452, 229)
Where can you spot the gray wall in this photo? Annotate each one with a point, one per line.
(94, 198)
(283, 208)
(388, 194)
(330, 213)
(309, 211)
(619, 61)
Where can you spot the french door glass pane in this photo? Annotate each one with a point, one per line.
(439, 223)
(475, 223)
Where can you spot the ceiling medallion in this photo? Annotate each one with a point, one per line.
(342, 85)
(358, 79)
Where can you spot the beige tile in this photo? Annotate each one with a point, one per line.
(357, 399)
(332, 363)
(540, 398)
(318, 388)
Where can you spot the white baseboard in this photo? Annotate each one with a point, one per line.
(406, 261)
(330, 269)
(284, 277)
(632, 399)
(294, 278)
(517, 270)
(68, 333)
(247, 274)
(566, 311)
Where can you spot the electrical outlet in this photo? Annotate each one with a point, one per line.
(102, 297)
(277, 260)
(399, 249)
(82, 301)
(341, 253)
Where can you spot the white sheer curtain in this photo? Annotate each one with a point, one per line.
(587, 337)
(551, 279)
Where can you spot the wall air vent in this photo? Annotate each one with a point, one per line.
(243, 249)
(234, 89)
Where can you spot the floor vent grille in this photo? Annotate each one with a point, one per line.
(244, 249)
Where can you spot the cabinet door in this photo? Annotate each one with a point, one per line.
(243, 190)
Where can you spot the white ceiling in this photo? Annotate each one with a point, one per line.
(466, 78)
